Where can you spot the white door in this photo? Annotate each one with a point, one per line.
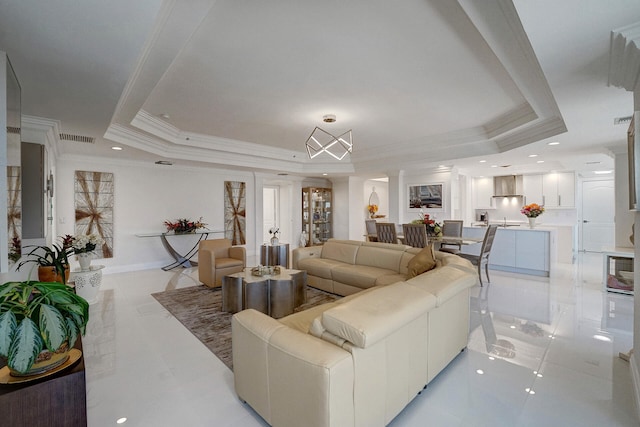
(598, 228)
(269, 210)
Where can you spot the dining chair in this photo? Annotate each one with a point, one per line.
(451, 228)
(483, 258)
(372, 234)
(386, 232)
(415, 235)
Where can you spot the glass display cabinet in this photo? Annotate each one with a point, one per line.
(317, 215)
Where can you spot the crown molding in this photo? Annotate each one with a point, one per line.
(42, 131)
(511, 120)
(624, 57)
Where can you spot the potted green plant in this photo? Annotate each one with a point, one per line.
(39, 323)
(53, 262)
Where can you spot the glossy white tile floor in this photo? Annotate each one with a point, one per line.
(554, 359)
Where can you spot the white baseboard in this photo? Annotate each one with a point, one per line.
(635, 379)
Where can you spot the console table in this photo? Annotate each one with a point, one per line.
(56, 400)
(183, 260)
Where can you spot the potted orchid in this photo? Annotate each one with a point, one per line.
(274, 232)
(83, 246)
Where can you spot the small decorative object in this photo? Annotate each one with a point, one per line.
(433, 228)
(372, 210)
(274, 231)
(88, 282)
(264, 270)
(39, 323)
(83, 246)
(53, 263)
(183, 225)
(532, 211)
(304, 239)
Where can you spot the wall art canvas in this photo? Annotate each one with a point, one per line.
(94, 208)
(14, 212)
(427, 196)
(235, 211)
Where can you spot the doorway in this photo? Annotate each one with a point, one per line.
(598, 211)
(271, 210)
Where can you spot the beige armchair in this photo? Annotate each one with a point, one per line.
(217, 258)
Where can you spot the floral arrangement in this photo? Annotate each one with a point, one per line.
(184, 225)
(434, 228)
(372, 209)
(274, 231)
(84, 243)
(532, 210)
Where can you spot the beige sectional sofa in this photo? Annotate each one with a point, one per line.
(360, 360)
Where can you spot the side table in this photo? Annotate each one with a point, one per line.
(618, 270)
(88, 282)
(275, 254)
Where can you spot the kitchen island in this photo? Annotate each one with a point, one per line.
(520, 249)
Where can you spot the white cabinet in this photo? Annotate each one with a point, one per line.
(532, 250)
(503, 250)
(532, 189)
(559, 190)
(521, 251)
(483, 193)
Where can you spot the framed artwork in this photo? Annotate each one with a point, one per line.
(235, 195)
(94, 208)
(425, 196)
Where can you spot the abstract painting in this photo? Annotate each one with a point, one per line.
(235, 211)
(94, 208)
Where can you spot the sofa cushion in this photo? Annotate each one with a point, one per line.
(341, 250)
(390, 279)
(372, 316)
(228, 262)
(444, 282)
(423, 261)
(382, 255)
(319, 267)
(361, 276)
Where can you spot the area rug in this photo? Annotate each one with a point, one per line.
(199, 309)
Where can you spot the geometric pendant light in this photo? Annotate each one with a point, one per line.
(320, 141)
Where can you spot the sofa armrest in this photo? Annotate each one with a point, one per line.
(304, 253)
(238, 252)
(287, 376)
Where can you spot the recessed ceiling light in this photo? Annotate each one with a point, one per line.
(441, 166)
(479, 371)
(121, 420)
(483, 161)
(116, 148)
(554, 143)
(325, 174)
(540, 161)
(530, 391)
(603, 172)
(494, 166)
(601, 338)
(533, 155)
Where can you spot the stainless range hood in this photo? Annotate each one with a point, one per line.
(507, 186)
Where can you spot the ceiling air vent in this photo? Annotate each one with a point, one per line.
(77, 138)
(12, 129)
(622, 120)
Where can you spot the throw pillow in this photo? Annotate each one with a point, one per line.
(424, 260)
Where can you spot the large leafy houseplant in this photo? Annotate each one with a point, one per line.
(37, 316)
(55, 257)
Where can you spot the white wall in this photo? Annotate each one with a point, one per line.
(624, 217)
(145, 195)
